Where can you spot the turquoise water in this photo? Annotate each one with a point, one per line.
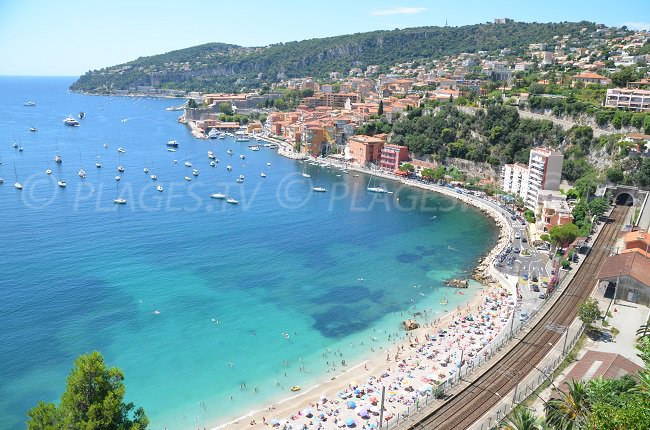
(190, 296)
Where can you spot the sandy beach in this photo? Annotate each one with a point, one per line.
(414, 365)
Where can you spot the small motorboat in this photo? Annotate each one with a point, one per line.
(171, 150)
(232, 201)
(211, 155)
(145, 170)
(229, 152)
(188, 164)
(268, 164)
(61, 183)
(240, 180)
(229, 167)
(242, 156)
(160, 188)
(306, 175)
(120, 168)
(263, 175)
(119, 201)
(121, 150)
(82, 173)
(33, 129)
(195, 172)
(98, 165)
(172, 144)
(187, 178)
(213, 164)
(319, 189)
(219, 196)
(154, 177)
(48, 171)
(117, 178)
(58, 159)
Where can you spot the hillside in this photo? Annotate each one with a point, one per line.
(223, 67)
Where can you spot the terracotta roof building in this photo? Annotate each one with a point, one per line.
(629, 274)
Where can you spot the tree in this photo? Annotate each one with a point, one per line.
(192, 104)
(93, 399)
(615, 175)
(225, 108)
(380, 110)
(522, 418)
(598, 206)
(570, 411)
(589, 312)
(407, 167)
(563, 235)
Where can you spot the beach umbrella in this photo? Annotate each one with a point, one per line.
(351, 405)
(274, 422)
(308, 413)
(373, 400)
(349, 422)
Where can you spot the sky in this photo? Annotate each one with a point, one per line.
(50, 37)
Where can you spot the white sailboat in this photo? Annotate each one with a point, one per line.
(17, 184)
(380, 190)
(118, 200)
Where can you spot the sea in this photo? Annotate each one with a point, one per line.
(211, 309)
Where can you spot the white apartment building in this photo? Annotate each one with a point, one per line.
(544, 173)
(632, 99)
(514, 179)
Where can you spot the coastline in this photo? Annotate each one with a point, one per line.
(492, 283)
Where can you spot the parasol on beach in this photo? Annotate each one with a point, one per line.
(350, 422)
(308, 413)
(351, 405)
(274, 422)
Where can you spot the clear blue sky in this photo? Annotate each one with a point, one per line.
(48, 37)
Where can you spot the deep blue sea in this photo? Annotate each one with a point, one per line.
(190, 296)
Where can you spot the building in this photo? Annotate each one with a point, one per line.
(596, 364)
(632, 99)
(553, 210)
(365, 149)
(591, 78)
(514, 179)
(637, 241)
(392, 156)
(544, 173)
(628, 275)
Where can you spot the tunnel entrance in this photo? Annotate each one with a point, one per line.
(624, 199)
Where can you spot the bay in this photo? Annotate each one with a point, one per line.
(190, 296)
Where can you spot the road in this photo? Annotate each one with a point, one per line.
(477, 396)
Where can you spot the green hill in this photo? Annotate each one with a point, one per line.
(223, 67)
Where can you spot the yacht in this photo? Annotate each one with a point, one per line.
(213, 134)
(160, 188)
(242, 139)
(172, 144)
(211, 155)
(263, 175)
(231, 201)
(195, 172)
(380, 190)
(219, 196)
(254, 147)
(48, 172)
(29, 104)
(154, 177)
(319, 189)
(119, 201)
(117, 178)
(61, 183)
(82, 173)
(306, 175)
(120, 169)
(188, 164)
(71, 121)
(58, 159)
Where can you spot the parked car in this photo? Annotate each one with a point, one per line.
(525, 276)
(517, 236)
(523, 316)
(534, 278)
(542, 295)
(524, 240)
(535, 288)
(516, 250)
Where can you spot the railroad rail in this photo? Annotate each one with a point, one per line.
(477, 398)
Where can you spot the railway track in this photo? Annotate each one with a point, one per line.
(468, 405)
